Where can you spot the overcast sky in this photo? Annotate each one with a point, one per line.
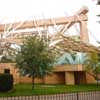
(16, 10)
(25, 9)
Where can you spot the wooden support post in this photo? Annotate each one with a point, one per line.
(84, 31)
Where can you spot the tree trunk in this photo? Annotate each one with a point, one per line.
(32, 82)
(97, 83)
(97, 80)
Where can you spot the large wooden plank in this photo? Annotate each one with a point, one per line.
(80, 16)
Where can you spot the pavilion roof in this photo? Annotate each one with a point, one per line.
(68, 44)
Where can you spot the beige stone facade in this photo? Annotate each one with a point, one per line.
(65, 74)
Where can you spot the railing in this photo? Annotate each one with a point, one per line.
(93, 95)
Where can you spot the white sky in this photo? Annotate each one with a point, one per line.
(16, 10)
(24, 9)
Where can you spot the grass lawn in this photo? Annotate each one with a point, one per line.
(26, 89)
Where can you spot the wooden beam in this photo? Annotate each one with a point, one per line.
(45, 22)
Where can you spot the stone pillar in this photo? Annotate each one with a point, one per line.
(84, 31)
(69, 78)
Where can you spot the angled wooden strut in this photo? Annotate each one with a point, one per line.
(79, 17)
(47, 22)
(68, 43)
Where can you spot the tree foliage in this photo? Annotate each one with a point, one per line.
(34, 58)
(93, 64)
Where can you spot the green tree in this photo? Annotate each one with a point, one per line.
(34, 58)
(93, 65)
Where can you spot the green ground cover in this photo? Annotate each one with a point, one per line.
(26, 89)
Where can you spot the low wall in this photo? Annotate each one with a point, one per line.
(17, 77)
(90, 79)
(57, 77)
(54, 78)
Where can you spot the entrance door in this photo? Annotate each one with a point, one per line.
(80, 77)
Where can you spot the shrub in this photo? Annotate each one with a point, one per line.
(6, 82)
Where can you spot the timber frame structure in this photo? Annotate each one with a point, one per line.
(12, 33)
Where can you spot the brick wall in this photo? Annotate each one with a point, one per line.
(57, 77)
